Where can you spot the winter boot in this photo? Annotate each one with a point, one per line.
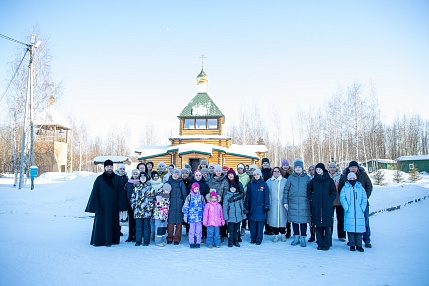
(303, 241)
(295, 240)
(283, 237)
(311, 238)
(276, 238)
(243, 232)
(152, 236)
(360, 249)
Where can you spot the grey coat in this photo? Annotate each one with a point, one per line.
(277, 216)
(296, 196)
(177, 199)
(220, 184)
(234, 211)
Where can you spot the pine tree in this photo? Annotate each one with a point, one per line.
(378, 177)
(398, 176)
(414, 175)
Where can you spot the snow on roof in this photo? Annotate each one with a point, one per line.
(217, 137)
(115, 159)
(151, 151)
(51, 117)
(384, 161)
(414, 158)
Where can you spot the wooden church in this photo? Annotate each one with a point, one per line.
(200, 137)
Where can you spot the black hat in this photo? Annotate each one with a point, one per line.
(353, 164)
(321, 166)
(265, 160)
(108, 162)
(233, 184)
(153, 173)
(144, 174)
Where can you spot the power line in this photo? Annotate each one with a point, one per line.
(13, 77)
(13, 40)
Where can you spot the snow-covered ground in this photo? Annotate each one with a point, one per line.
(46, 233)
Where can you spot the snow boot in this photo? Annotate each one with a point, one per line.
(283, 237)
(303, 241)
(295, 240)
(360, 249)
(243, 232)
(276, 238)
(311, 238)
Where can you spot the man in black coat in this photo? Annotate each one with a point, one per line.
(364, 179)
(105, 202)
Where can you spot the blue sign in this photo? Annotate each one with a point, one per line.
(34, 171)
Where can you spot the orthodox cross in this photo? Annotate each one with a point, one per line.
(202, 59)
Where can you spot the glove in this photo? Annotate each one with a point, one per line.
(286, 206)
(185, 219)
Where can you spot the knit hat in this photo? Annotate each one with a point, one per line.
(144, 174)
(135, 171)
(171, 165)
(203, 162)
(321, 166)
(240, 166)
(233, 185)
(231, 171)
(108, 162)
(185, 170)
(265, 160)
(253, 166)
(257, 171)
(149, 162)
(285, 162)
(332, 164)
(298, 163)
(211, 165)
(351, 175)
(166, 187)
(195, 185)
(160, 164)
(353, 164)
(204, 170)
(121, 166)
(225, 168)
(153, 173)
(177, 171)
(198, 171)
(218, 168)
(187, 166)
(213, 194)
(141, 163)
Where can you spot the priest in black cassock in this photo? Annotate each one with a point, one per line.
(105, 201)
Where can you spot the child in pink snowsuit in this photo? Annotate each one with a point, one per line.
(213, 219)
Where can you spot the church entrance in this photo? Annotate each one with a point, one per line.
(195, 162)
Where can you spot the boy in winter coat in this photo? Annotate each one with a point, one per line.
(257, 204)
(213, 219)
(233, 213)
(193, 215)
(160, 214)
(323, 192)
(142, 204)
(353, 199)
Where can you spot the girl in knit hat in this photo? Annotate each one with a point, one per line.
(193, 215)
(213, 219)
(233, 213)
(160, 213)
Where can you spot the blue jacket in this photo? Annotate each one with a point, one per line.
(353, 200)
(257, 200)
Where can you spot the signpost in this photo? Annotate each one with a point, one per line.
(33, 174)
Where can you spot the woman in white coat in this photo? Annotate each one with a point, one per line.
(277, 216)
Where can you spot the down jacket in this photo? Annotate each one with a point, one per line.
(233, 211)
(277, 216)
(297, 197)
(220, 184)
(323, 192)
(257, 200)
(142, 200)
(353, 200)
(213, 214)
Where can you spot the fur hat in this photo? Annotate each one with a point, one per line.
(153, 173)
(285, 162)
(298, 163)
(240, 166)
(353, 164)
(233, 185)
(195, 185)
(218, 168)
(121, 166)
(351, 175)
(332, 164)
(160, 164)
(225, 168)
(166, 187)
(257, 171)
(108, 162)
(321, 166)
(177, 171)
(203, 162)
(144, 174)
(265, 160)
(231, 171)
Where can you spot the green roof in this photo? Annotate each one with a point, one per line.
(201, 106)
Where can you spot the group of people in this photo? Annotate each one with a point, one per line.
(216, 203)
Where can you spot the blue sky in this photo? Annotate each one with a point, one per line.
(124, 63)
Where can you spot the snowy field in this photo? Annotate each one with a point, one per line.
(46, 233)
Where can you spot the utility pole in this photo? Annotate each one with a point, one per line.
(28, 102)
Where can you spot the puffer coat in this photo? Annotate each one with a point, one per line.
(142, 200)
(220, 184)
(277, 216)
(233, 211)
(297, 197)
(257, 200)
(177, 199)
(353, 199)
(323, 192)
